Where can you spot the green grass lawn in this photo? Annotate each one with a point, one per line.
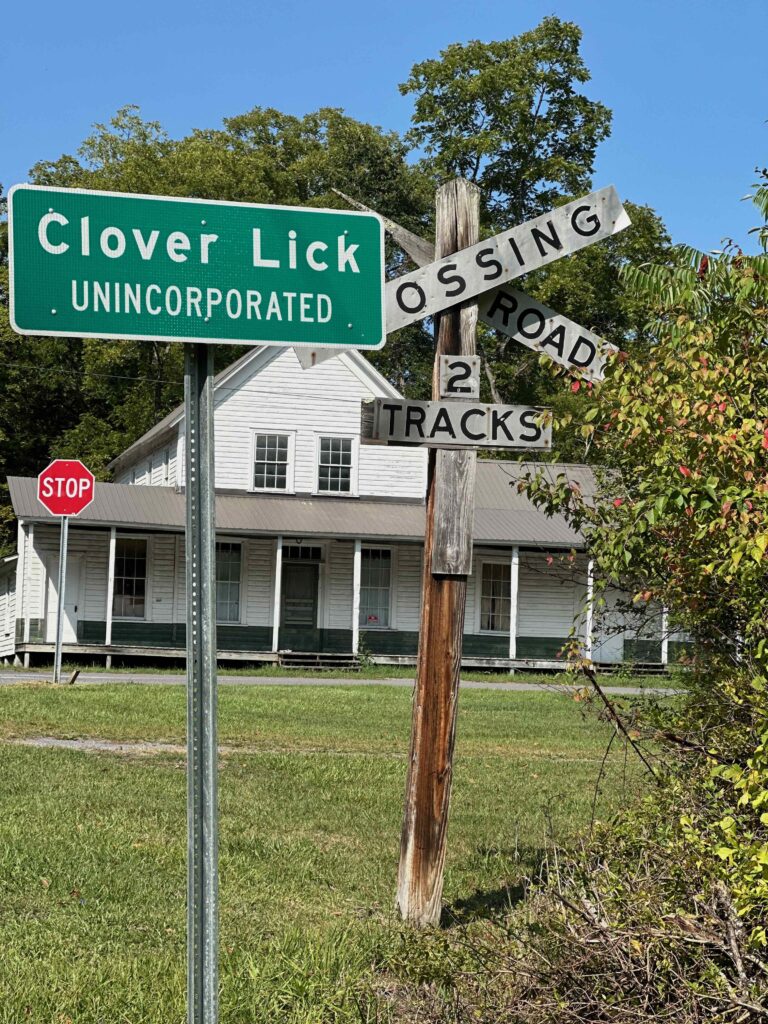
(92, 846)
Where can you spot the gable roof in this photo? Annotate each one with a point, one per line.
(352, 360)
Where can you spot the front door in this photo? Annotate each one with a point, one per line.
(71, 600)
(298, 611)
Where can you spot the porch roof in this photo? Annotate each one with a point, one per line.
(502, 515)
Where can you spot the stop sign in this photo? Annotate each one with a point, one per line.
(66, 487)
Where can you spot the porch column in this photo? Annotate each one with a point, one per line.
(664, 636)
(110, 591)
(29, 548)
(21, 569)
(514, 579)
(589, 617)
(357, 571)
(278, 590)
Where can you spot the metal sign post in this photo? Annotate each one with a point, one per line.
(65, 488)
(86, 263)
(60, 598)
(202, 809)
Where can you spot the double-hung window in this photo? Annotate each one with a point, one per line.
(270, 462)
(334, 469)
(495, 597)
(130, 594)
(375, 588)
(228, 569)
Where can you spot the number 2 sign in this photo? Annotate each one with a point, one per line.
(460, 377)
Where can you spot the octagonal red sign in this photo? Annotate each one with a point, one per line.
(66, 487)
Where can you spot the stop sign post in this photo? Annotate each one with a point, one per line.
(65, 489)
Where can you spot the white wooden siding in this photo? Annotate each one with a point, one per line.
(162, 573)
(258, 584)
(399, 472)
(338, 604)
(276, 395)
(151, 470)
(550, 596)
(180, 583)
(608, 632)
(257, 580)
(7, 613)
(34, 571)
(91, 547)
(407, 588)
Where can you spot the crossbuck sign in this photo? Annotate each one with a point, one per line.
(483, 270)
(508, 311)
(489, 263)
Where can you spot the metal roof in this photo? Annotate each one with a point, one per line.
(503, 516)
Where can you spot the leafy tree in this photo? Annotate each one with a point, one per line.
(508, 116)
(682, 520)
(101, 395)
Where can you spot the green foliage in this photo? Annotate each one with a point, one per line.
(508, 116)
(679, 519)
(94, 398)
(683, 425)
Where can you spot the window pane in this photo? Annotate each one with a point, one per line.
(495, 598)
(334, 467)
(228, 567)
(375, 586)
(130, 578)
(270, 470)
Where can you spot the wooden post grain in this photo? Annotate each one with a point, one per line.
(448, 547)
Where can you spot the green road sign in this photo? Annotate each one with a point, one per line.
(157, 268)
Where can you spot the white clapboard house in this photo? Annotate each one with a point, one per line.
(319, 542)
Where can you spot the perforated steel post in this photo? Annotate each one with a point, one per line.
(202, 810)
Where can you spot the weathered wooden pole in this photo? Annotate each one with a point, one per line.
(447, 564)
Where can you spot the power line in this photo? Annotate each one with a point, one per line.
(83, 374)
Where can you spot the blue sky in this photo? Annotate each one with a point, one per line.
(686, 81)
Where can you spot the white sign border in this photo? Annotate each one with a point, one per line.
(27, 186)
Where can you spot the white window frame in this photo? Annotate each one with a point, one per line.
(392, 576)
(148, 581)
(353, 469)
(290, 475)
(239, 621)
(166, 471)
(481, 563)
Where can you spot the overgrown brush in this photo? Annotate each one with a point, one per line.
(657, 916)
(638, 924)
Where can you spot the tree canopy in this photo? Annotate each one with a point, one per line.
(510, 114)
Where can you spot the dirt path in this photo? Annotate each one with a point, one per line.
(133, 748)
